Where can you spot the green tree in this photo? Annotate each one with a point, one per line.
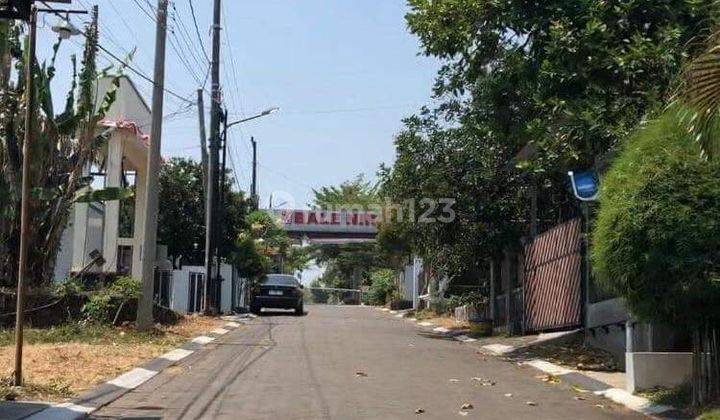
(346, 265)
(526, 92)
(273, 249)
(355, 193)
(181, 218)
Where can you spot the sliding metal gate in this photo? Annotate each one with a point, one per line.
(553, 293)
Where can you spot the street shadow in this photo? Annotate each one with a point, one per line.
(439, 336)
(280, 313)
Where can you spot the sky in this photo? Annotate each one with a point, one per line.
(343, 72)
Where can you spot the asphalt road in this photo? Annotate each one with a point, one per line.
(349, 363)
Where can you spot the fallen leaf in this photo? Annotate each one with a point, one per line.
(419, 411)
(454, 380)
(463, 413)
(360, 374)
(576, 398)
(466, 406)
(599, 406)
(578, 389)
(531, 403)
(509, 395)
(478, 379)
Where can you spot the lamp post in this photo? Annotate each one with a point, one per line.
(215, 213)
(260, 115)
(65, 31)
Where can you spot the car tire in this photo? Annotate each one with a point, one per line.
(255, 309)
(299, 310)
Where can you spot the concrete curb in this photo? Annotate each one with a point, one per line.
(104, 394)
(570, 376)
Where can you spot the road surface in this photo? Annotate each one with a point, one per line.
(349, 363)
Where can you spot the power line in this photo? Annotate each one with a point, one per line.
(197, 30)
(121, 61)
(148, 14)
(188, 39)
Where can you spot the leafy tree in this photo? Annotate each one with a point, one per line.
(356, 193)
(64, 145)
(346, 265)
(181, 217)
(382, 286)
(657, 236)
(527, 91)
(269, 246)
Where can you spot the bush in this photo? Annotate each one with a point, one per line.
(102, 306)
(382, 286)
(657, 232)
(317, 293)
(472, 299)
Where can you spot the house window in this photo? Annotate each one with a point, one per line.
(124, 260)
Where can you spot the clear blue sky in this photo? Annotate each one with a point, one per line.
(343, 72)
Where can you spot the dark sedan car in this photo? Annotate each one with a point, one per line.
(278, 291)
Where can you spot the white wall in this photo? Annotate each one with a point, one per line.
(180, 287)
(647, 370)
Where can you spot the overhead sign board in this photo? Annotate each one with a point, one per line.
(328, 221)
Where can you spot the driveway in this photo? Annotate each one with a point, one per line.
(350, 363)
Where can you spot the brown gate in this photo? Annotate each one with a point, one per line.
(552, 296)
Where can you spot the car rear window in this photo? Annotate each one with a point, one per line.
(279, 281)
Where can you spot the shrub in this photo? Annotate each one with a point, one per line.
(657, 233)
(382, 286)
(473, 299)
(103, 305)
(317, 293)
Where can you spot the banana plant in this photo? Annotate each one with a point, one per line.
(65, 145)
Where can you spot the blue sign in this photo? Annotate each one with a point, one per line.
(585, 185)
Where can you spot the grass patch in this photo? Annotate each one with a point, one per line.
(678, 397)
(62, 361)
(710, 415)
(81, 332)
(681, 398)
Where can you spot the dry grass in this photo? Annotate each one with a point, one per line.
(58, 371)
(449, 323)
(440, 320)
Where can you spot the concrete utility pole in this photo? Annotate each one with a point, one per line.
(253, 189)
(25, 196)
(210, 199)
(203, 138)
(148, 253)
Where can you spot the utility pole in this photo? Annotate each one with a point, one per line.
(220, 203)
(253, 187)
(25, 196)
(148, 253)
(210, 199)
(203, 138)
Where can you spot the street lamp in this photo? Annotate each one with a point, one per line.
(213, 202)
(260, 115)
(30, 99)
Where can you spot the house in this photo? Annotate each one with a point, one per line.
(116, 231)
